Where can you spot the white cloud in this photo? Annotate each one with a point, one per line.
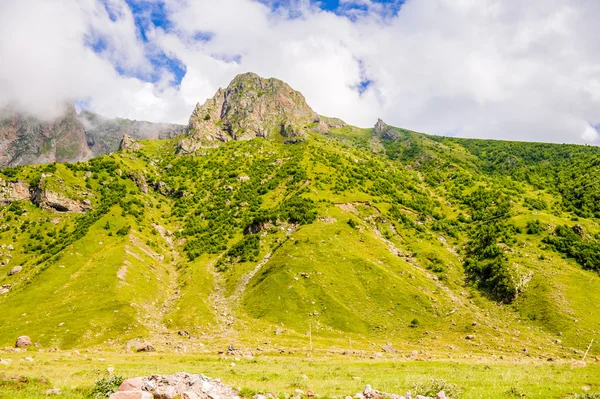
(486, 68)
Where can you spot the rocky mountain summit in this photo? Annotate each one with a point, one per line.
(251, 107)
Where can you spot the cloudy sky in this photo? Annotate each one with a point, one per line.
(511, 69)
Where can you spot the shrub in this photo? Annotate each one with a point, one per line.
(414, 324)
(352, 223)
(123, 231)
(105, 387)
(432, 387)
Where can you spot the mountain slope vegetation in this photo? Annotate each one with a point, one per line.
(377, 234)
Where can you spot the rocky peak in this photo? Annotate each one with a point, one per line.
(380, 126)
(251, 107)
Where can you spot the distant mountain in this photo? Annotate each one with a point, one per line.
(103, 134)
(267, 221)
(25, 139)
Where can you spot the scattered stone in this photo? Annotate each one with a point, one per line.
(179, 385)
(145, 347)
(23, 342)
(244, 179)
(440, 395)
(53, 391)
(28, 359)
(15, 270)
(470, 337)
(183, 333)
(388, 348)
(4, 362)
(4, 289)
(131, 395)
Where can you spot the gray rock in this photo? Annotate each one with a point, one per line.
(131, 395)
(440, 395)
(53, 391)
(15, 270)
(23, 341)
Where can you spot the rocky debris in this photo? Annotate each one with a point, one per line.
(131, 395)
(178, 385)
(250, 107)
(244, 179)
(162, 188)
(5, 289)
(15, 270)
(13, 191)
(470, 337)
(145, 347)
(23, 342)
(370, 393)
(53, 391)
(388, 348)
(183, 333)
(52, 200)
(129, 144)
(140, 180)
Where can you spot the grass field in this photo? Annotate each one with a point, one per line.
(326, 374)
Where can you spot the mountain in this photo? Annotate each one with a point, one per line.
(72, 137)
(104, 135)
(25, 139)
(267, 221)
(251, 107)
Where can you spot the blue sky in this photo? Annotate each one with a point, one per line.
(507, 69)
(154, 14)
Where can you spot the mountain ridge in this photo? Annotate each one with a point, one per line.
(370, 234)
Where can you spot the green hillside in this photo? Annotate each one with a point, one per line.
(379, 235)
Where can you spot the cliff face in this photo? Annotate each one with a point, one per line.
(25, 139)
(72, 137)
(251, 107)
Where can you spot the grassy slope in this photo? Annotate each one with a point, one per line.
(357, 287)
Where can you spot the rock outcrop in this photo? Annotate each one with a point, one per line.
(128, 143)
(178, 385)
(385, 131)
(52, 200)
(13, 191)
(251, 107)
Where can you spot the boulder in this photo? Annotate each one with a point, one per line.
(145, 347)
(15, 270)
(470, 337)
(440, 395)
(165, 392)
(23, 341)
(131, 395)
(132, 384)
(53, 391)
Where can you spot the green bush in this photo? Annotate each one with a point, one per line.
(105, 387)
(433, 387)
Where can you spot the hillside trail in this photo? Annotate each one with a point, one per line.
(224, 306)
(157, 312)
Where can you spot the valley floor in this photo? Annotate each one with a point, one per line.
(326, 374)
